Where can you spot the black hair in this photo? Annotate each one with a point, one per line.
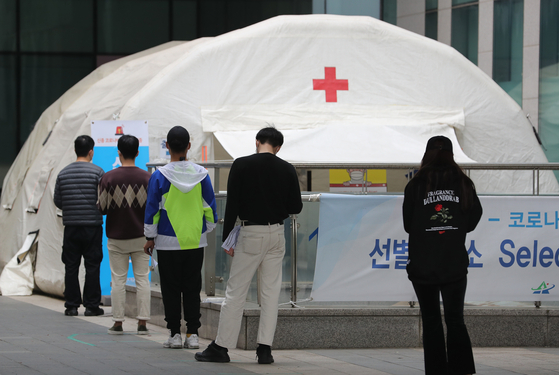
(438, 170)
(83, 144)
(178, 139)
(271, 136)
(128, 146)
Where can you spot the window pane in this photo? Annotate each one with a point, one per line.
(318, 7)
(8, 25)
(465, 31)
(389, 11)
(57, 26)
(8, 141)
(221, 16)
(459, 2)
(549, 38)
(242, 13)
(431, 20)
(272, 8)
(354, 8)
(43, 80)
(129, 26)
(212, 17)
(184, 20)
(549, 79)
(507, 46)
(431, 4)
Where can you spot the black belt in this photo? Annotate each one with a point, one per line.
(248, 222)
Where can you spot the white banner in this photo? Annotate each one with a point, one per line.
(363, 250)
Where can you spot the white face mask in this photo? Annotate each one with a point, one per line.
(357, 175)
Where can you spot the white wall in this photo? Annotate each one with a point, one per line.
(411, 15)
(485, 42)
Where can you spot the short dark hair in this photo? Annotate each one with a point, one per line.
(271, 136)
(178, 139)
(128, 146)
(83, 144)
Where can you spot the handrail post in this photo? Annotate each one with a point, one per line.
(293, 259)
(216, 179)
(534, 181)
(538, 181)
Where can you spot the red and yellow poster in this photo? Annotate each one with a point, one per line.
(357, 180)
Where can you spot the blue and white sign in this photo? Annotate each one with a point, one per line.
(105, 154)
(363, 250)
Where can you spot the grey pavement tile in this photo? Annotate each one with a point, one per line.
(53, 368)
(36, 340)
(9, 347)
(391, 363)
(20, 370)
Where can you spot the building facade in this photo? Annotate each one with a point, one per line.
(48, 46)
(515, 42)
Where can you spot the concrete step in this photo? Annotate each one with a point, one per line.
(397, 326)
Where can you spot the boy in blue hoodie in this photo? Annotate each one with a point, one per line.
(180, 210)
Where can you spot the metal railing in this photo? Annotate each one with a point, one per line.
(211, 278)
(536, 168)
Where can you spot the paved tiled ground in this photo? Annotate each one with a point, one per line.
(36, 338)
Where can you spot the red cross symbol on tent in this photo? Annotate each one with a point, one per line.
(330, 85)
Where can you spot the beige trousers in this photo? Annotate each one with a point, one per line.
(120, 254)
(260, 247)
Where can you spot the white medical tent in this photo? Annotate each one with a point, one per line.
(341, 89)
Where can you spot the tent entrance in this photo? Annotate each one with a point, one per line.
(341, 133)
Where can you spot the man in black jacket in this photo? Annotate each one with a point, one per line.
(75, 193)
(262, 191)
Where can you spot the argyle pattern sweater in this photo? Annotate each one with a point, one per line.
(122, 197)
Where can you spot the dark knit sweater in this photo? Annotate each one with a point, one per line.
(261, 188)
(437, 228)
(75, 193)
(122, 197)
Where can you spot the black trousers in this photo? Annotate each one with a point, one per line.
(180, 273)
(86, 242)
(456, 356)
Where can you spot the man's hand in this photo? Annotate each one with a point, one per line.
(148, 247)
(230, 252)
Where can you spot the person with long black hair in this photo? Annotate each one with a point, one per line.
(440, 207)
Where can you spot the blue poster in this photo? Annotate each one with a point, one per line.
(106, 135)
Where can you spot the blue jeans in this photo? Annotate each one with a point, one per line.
(456, 356)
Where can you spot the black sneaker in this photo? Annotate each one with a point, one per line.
(71, 311)
(213, 353)
(116, 330)
(95, 311)
(142, 329)
(264, 354)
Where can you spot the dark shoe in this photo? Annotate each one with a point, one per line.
(142, 330)
(264, 354)
(95, 311)
(116, 330)
(71, 311)
(213, 353)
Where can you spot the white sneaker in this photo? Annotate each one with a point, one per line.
(191, 342)
(173, 342)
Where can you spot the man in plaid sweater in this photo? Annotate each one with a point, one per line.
(122, 197)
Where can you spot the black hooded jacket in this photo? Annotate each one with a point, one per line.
(437, 227)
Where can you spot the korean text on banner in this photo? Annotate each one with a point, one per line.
(362, 250)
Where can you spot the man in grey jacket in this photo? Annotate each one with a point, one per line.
(75, 193)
